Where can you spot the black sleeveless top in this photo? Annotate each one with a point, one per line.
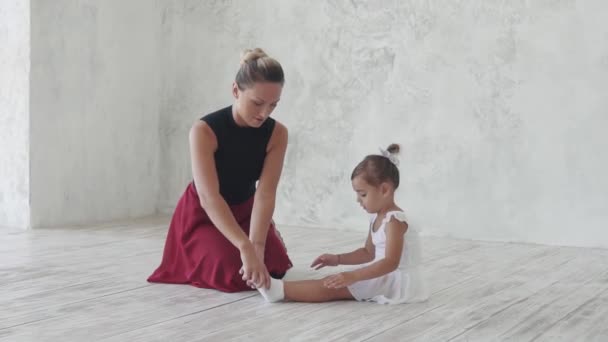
(240, 154)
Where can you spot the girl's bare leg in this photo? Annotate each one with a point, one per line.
(313, 291)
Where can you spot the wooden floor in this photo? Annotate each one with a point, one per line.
(89, 284)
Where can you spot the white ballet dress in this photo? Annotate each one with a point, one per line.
(403, 285)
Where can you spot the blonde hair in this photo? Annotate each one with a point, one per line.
(257, 66)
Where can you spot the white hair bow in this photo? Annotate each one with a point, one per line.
(390, 156)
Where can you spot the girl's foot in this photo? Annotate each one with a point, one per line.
(275, 293)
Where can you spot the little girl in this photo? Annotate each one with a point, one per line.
(390, 257)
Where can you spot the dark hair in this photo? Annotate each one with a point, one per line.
(256, 66)
(376, 169)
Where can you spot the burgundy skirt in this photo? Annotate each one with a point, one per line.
(198, 254)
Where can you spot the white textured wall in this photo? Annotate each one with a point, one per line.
(14, 113)
(197, 67)
(95, 89)
(501, 107)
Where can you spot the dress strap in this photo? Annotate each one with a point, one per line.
(398, 215)
(372, 219)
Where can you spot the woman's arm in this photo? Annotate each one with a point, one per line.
(203, 144)
(265, 195)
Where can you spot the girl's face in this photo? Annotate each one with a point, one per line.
(254, 105)
(371, 198)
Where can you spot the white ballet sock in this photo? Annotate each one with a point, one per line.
(275, 293)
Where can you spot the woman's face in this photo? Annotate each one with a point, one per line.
(255, 104)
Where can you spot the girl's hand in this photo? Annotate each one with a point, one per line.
(325, 260)
(254, 271)
(339, 280)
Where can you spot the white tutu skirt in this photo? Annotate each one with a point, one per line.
(397, 287)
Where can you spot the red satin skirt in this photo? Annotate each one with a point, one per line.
(198, 254)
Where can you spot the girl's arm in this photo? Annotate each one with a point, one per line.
(359, 256)
(265, 194)
(356, 257)
(395, 231)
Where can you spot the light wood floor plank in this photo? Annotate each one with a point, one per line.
(89, 284)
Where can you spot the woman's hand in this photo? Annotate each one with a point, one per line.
(254, 271)
(259, 252)
(339, 280)
(325, 260)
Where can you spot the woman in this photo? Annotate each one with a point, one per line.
(221, 235)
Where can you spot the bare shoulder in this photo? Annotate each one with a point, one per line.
(397, 224)
(202, 134)
(280, 130)
(279, 136)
